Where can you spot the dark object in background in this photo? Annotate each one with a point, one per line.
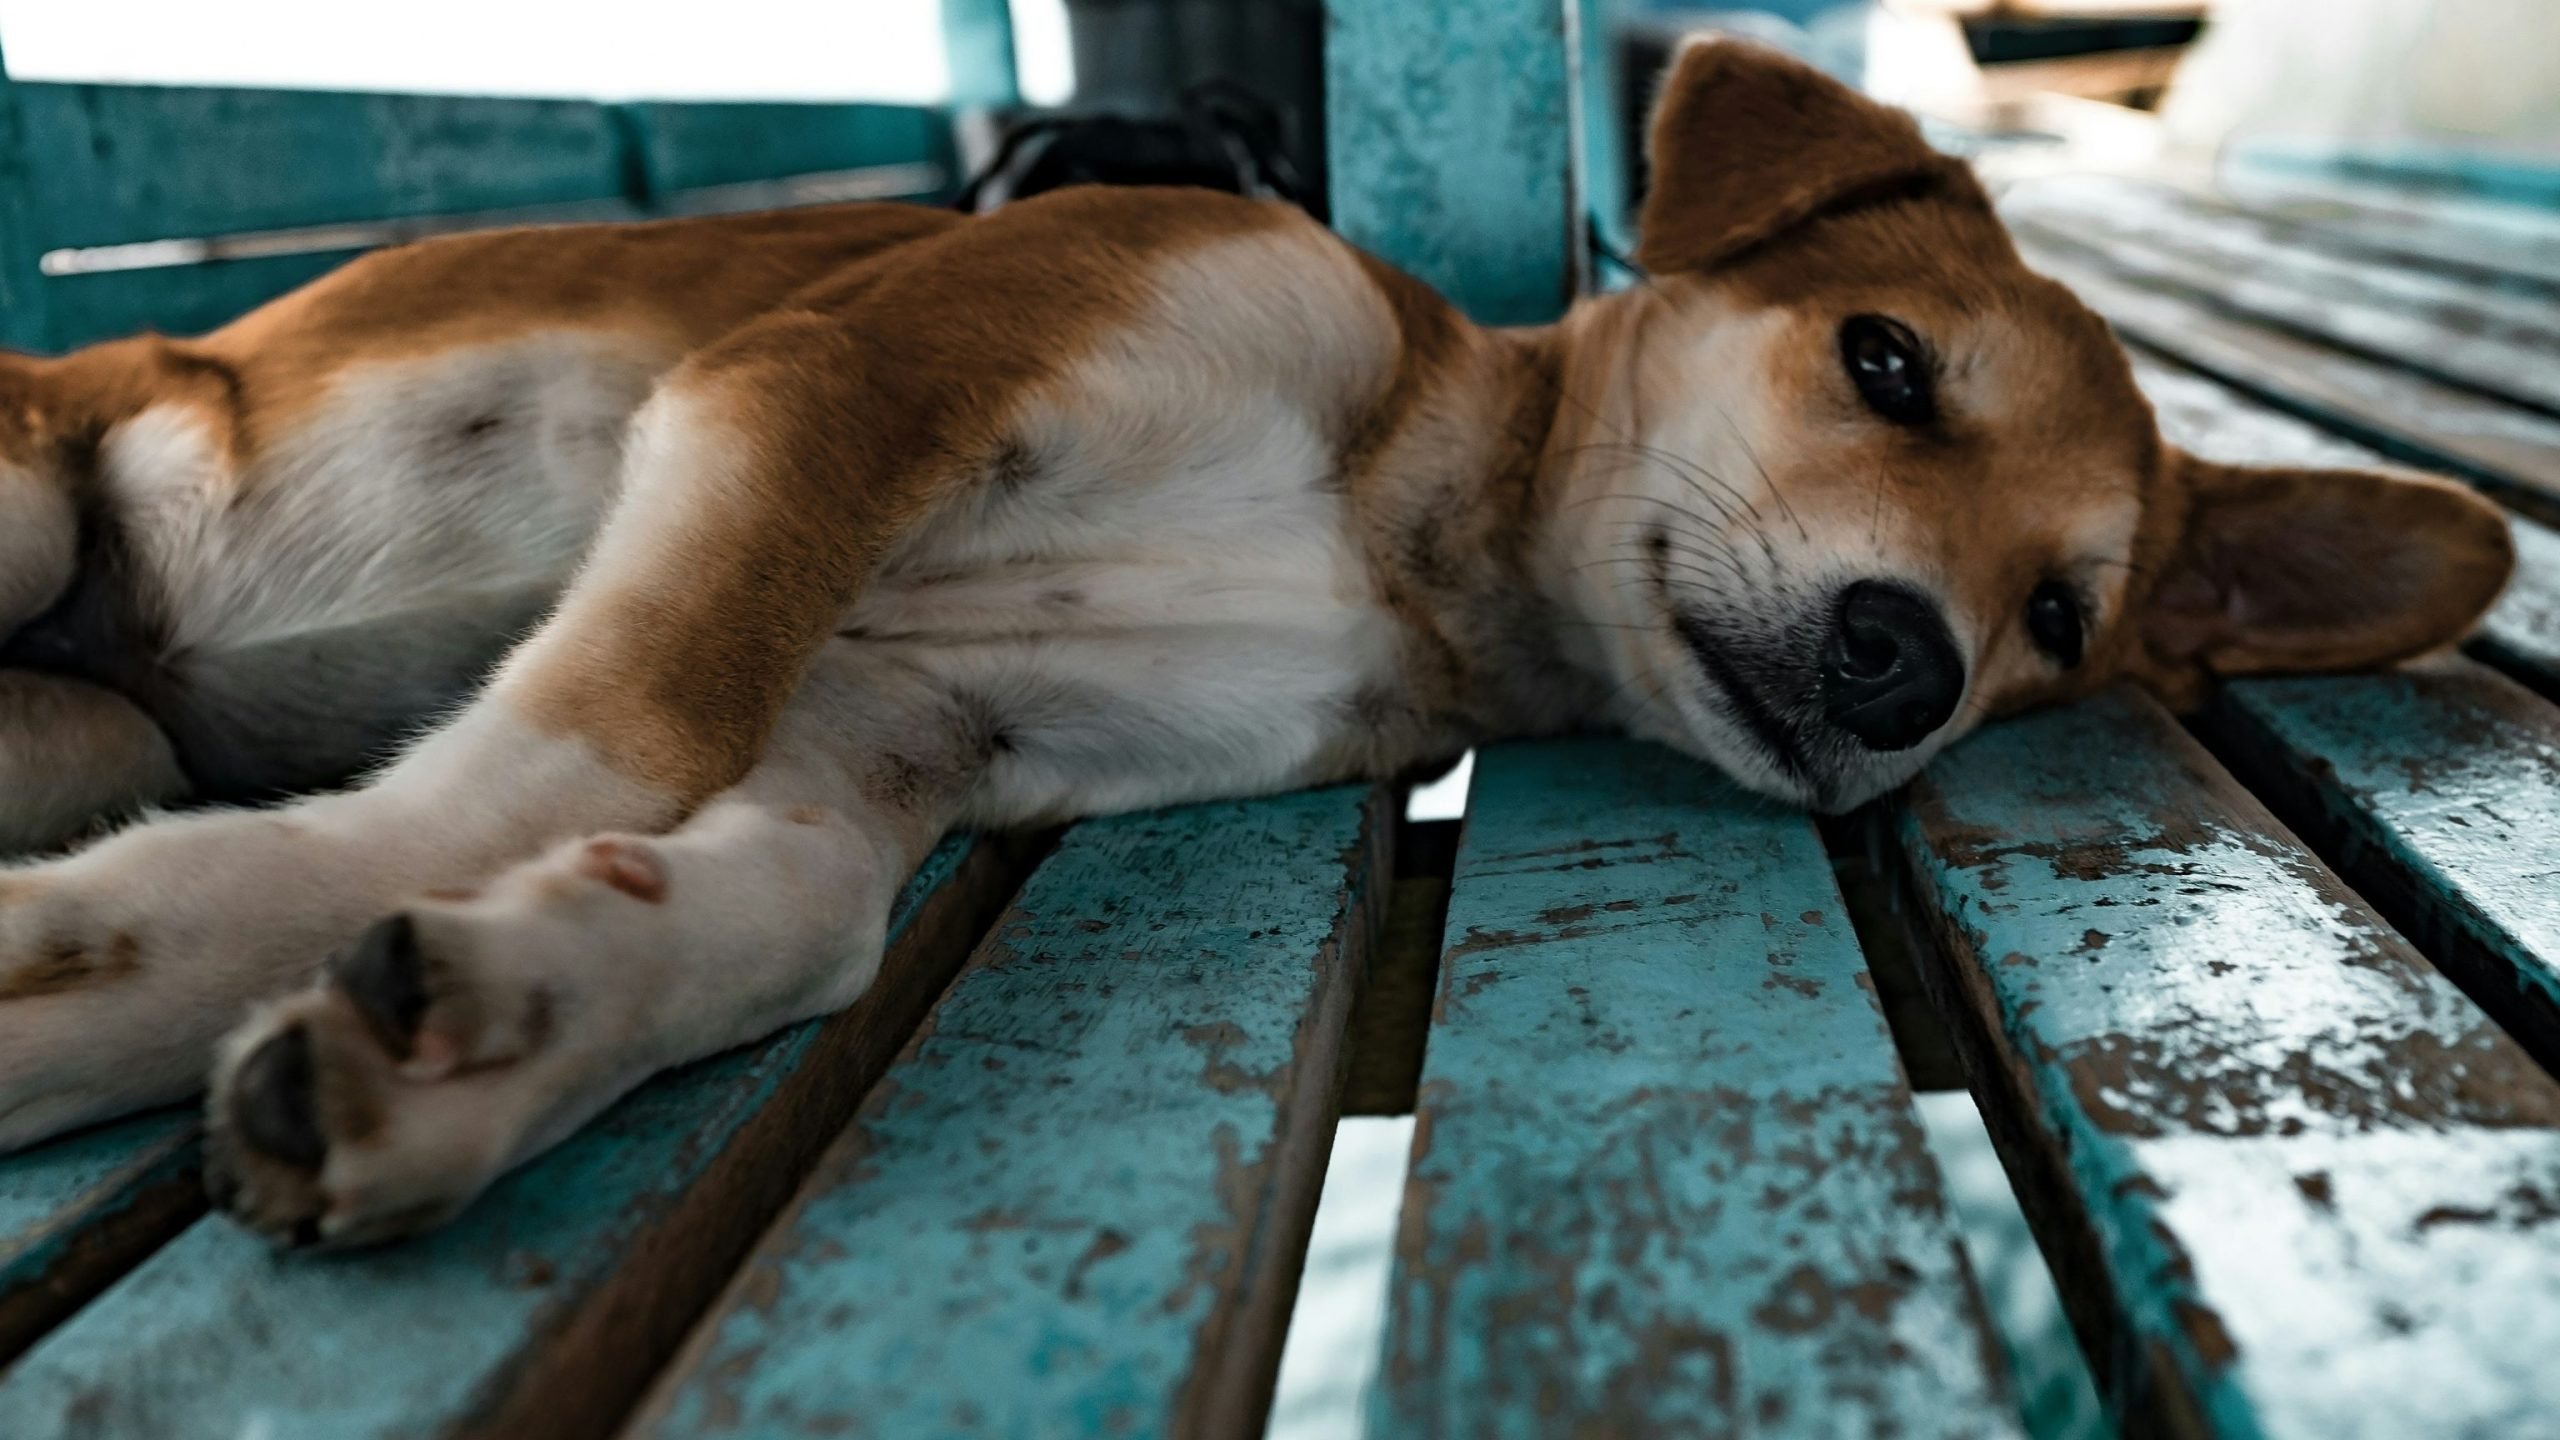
(1223, 137)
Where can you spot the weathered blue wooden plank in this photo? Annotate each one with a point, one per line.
(1449, 135)
(2292, 1181)
(2495, 343)
(2437, 791)
(2498, 445)
(24, 322)
(78, 1212)
(1077, 1205)
(2522, 636)
(118, 163)
(544, 1309)
(1667, 1178)
(176, 299)
(695, 146)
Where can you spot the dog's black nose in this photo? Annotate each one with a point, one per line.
(1891, 673)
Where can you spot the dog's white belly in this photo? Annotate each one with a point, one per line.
(1200, 628)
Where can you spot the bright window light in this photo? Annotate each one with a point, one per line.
(888, 50)
(1044, 63)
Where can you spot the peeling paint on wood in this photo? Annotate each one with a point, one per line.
(1667, 1179)
(2496, 343)
(539, 1313)
(1078, 1204)
(1449, 128)
(2295, 1183)
(2419, 421)
(2438, 791)
(77, 1212)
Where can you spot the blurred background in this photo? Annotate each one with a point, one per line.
(2455, 98)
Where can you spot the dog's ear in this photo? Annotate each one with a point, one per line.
(2293, 570)
(1748, 142)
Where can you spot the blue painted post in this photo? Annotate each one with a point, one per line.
(25, 321)
(1450, 127)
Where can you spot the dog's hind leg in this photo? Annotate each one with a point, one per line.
(73, 757)
(474, 1028)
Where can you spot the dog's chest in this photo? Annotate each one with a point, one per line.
(1185, 608)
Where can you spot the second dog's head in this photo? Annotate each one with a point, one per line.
(1862, 479)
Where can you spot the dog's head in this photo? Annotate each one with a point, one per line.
(1863, 480)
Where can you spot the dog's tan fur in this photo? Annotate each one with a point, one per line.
(884, 521)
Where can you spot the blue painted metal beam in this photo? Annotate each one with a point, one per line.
(1079, 1203)
(1449, 128)
(2293, 1183)
(1666, 1178)
(547, 1306)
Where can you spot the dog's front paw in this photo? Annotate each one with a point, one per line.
(381, 1100)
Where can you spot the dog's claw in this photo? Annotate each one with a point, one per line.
(385, 976)
(272, 1102)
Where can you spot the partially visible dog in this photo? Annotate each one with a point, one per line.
(864, 523)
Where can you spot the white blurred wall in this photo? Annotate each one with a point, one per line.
(2478, 75)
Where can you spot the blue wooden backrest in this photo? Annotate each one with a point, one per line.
(175, 208)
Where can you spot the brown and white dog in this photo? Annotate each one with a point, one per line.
(835, 529)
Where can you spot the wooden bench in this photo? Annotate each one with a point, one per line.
(2260, 1009)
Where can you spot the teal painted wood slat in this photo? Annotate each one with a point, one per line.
(76, 1213)
(546, 1307)
(2437, 791)
(119, 163)
(1449, 132)
(2292, 1182)
(2522, 636)
(1667, 1179)
(697, 146)
(2498, 344)
(1078, 1204)
(177, 299)
(2499, 446)
(24, 320)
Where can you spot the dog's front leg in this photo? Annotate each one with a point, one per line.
(752, 514)
(475, 1028)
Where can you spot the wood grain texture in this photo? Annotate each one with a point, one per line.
(546, 1307)
(2497, 343)
(2511, 451)
(1449, 128)
(2522, 636)
(2437, 793)
(1667, 1179)
(704, 144)
(25, 323)
(2293, 1183)
(1078, 1204)
(121, 163)
(78, 1212)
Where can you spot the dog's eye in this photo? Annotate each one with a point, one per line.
(2053, 622)
(1889, 367)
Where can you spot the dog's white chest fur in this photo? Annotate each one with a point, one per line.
(1142, 614)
